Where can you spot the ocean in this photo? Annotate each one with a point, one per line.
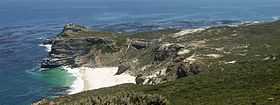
(26, 24)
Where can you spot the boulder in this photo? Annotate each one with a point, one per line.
(122, 68)
(140, 44)
(140, 79)
(176, 71)
(49, 63)
(195, 69)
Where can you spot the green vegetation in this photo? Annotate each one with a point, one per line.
(244, 83)
(119, 98)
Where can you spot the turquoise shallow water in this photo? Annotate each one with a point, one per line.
(25, 24)
(57, 77)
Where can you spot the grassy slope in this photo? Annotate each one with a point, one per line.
(250, 81)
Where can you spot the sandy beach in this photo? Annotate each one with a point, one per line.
(95, 78)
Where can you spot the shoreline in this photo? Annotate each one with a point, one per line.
(89, 78)
(95, 78)
(78, 83)
(48, 47)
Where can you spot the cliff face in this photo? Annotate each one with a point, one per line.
(74, 46)
(236, 65)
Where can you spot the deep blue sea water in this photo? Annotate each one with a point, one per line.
(25, 24)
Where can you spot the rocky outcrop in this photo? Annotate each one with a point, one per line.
(140, 44)
(69, 51)
(71, 47)
(166, 51)
(122, 68)
(74, 28)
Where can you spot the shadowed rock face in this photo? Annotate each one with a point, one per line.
(67, 51)
(70, 47)
(140, 44)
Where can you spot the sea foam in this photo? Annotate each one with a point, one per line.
(47, 46)
(78, 84)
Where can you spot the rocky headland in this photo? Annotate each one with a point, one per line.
(219, 65)
(153, 57)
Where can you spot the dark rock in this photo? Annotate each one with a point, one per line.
(166, 51)
(122, 68)
(67, 51)
(176, 71)
(140, 44)
(47, 41)
(49, 63)
(179, 59)
(195, 68)
(139, 79)
(73, 28)
(182, 71)
(41, 102)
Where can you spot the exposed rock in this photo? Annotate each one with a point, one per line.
(74, 28)
(47, 41)
(140, 79)
(195, 68)
(67, 51)
(183, 52)
(155, 61)
(41, 102)
(167, 51)
(140, 44)
(50, 63)
(214, 55)
(176, 71)
(122, 68)
(188, 31)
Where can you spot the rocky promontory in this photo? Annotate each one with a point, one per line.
(147, 55)
(223, 65)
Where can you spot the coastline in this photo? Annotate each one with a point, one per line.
(226, 45)
(78, 84)
(95, 78)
